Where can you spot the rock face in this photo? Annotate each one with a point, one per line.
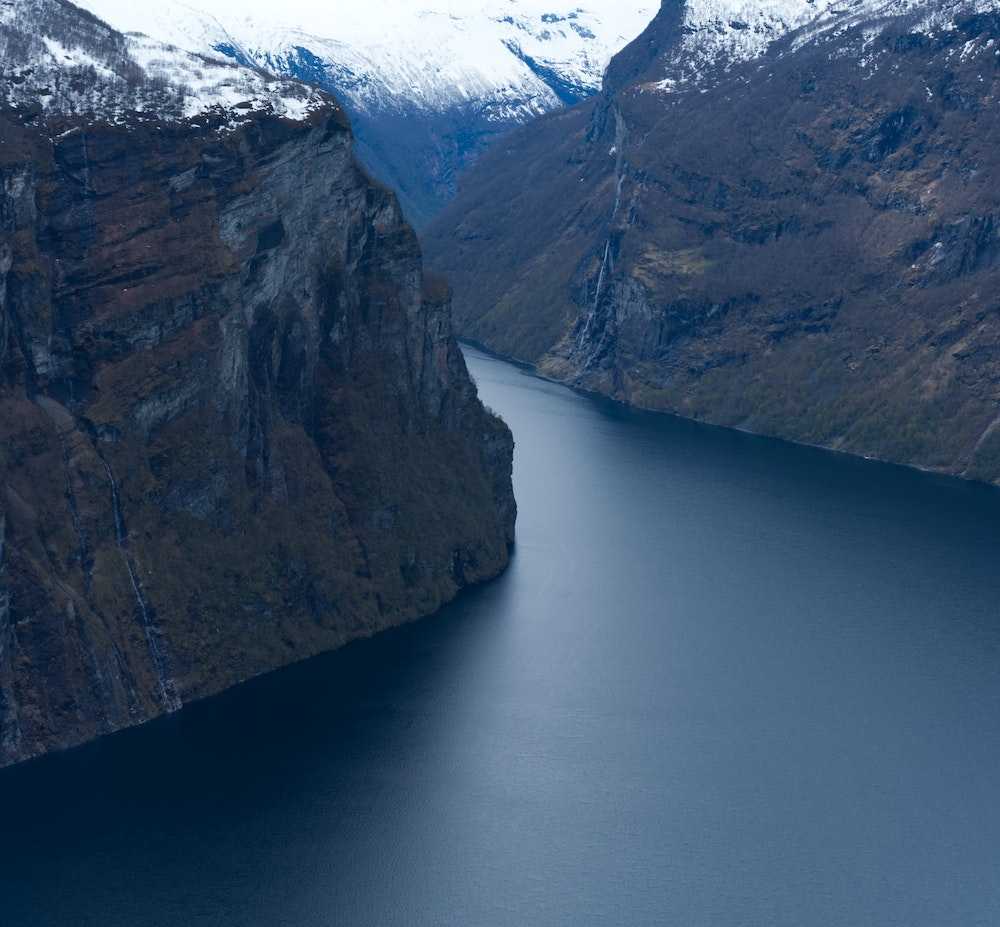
(804, 244)
(235, 428)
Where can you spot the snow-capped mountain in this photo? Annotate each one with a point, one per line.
(57, 60)
(787, 223)
(429, 83)
(712, 37)
(520, 57)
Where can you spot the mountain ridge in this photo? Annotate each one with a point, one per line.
(428, 84)
(802, 244)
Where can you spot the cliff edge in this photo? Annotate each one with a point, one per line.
(235, 428)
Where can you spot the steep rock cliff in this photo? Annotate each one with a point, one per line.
(803, 244)
(235, 428)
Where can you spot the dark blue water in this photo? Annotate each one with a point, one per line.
(726, 683)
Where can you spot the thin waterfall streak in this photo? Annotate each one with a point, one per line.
(168, 690)
(600, 276)
(116, 506)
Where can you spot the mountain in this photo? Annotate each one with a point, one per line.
(58, 60)
(428, 84)
(235, 428)
(799, 237)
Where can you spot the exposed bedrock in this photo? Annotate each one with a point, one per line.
(235, 428)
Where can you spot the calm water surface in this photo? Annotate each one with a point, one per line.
(726, 683)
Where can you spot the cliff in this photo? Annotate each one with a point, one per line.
(803, 242)
(235, 428)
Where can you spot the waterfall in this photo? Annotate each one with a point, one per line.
(168, 689)
(116, 506)
(618, 150)
(10, 722)
(4, 593)
(600, 276)
(4, 602)
(6, 262)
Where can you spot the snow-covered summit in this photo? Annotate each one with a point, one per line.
(57, 59)
(511, 56)
(715, 35)
(429, 84)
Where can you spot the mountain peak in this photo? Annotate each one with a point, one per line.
(57, 60)
(428, 83)
(428, 54)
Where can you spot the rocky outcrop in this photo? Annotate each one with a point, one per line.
(803, 245)
(235, 428)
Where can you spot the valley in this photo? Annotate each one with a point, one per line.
(429, 85)
(499, 463)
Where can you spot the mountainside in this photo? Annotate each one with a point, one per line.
(800, 238)
(235, 428)
(428, 83)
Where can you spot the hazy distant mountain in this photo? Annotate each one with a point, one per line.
(428, 83)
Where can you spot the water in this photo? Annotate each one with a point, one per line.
(726, 683)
